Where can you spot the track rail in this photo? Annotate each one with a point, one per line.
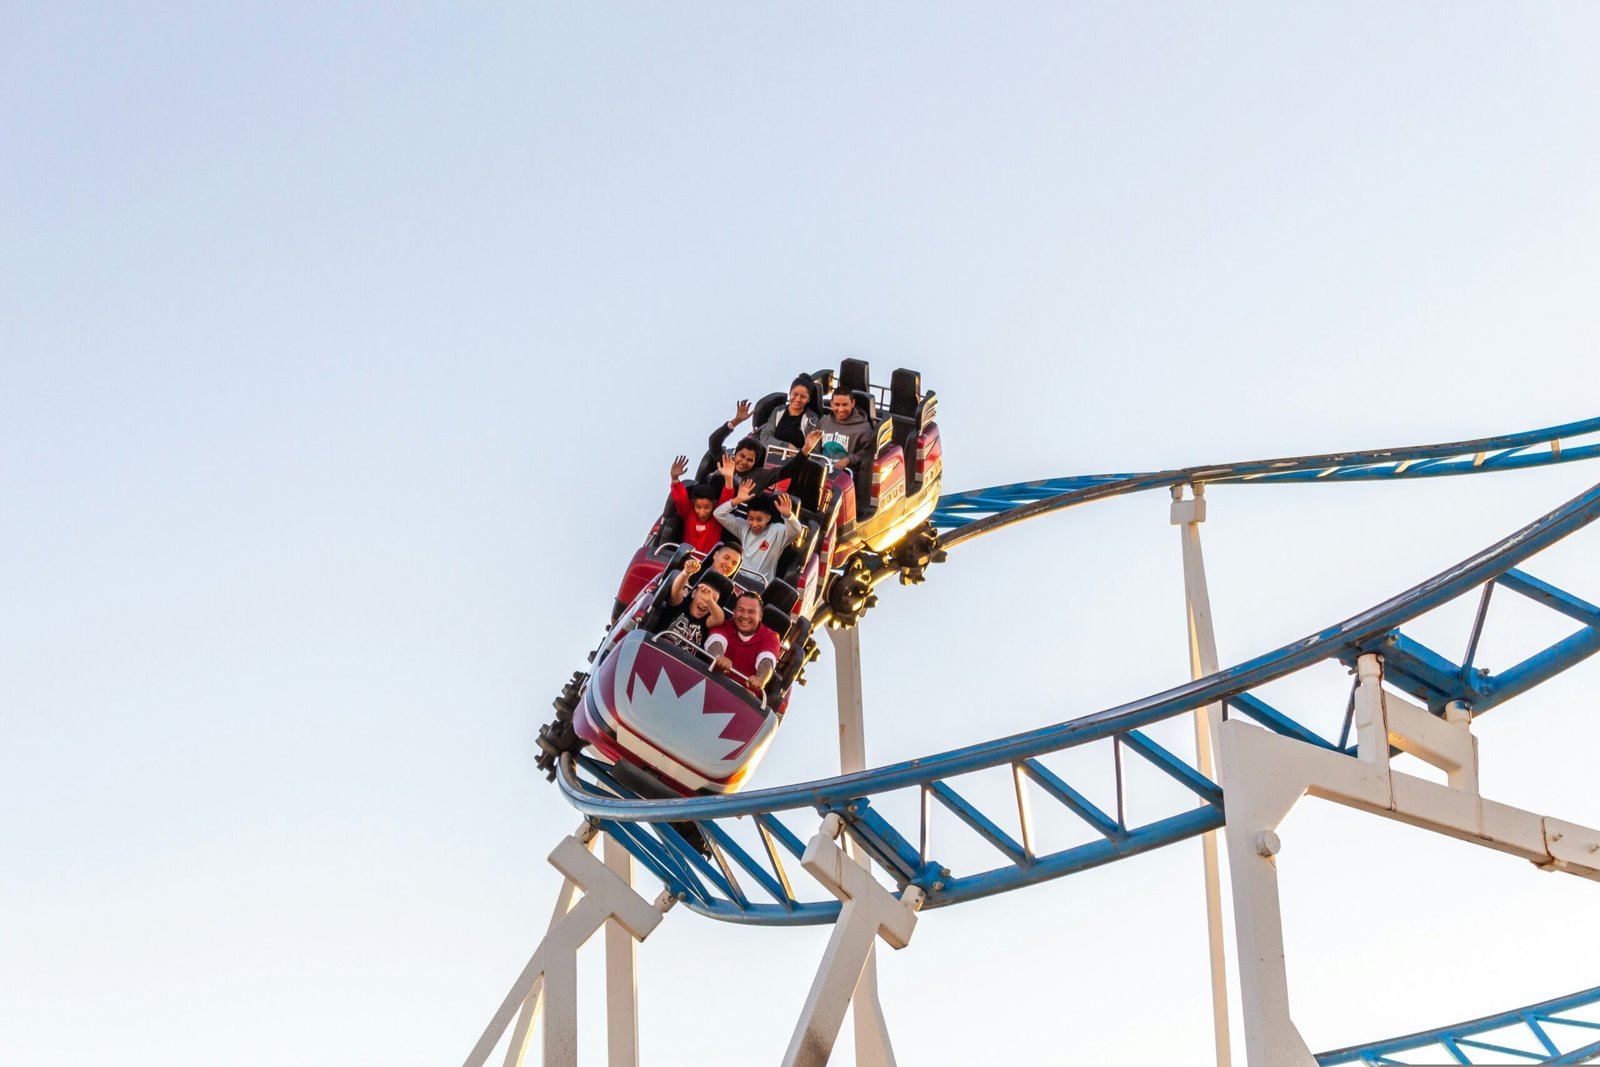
(750, 838)
(977, 512)
(1525, 1035)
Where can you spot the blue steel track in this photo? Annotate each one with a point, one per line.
(905, 847)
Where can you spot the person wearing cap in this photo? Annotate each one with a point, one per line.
(762, 541)
(691, 616)
(791, 422)
(744, 645)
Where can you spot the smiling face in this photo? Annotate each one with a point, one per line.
(701, 602)
(843, 404)
(758, 520)
(725, 560)
(743, 460)
(799, 397)
(747, 615)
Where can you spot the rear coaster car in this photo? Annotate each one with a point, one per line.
(655, 709)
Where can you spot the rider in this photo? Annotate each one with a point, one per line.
(744, 465)
(745, 644)
(762, 542)
(791, 422)
(694, 505)
(691, 616)
(848, 426)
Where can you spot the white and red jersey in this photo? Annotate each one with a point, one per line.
(745, 653)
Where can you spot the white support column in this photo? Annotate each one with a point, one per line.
(1187, 515)
(1265, 775)
(528, 1017)
(869, 911)
(622, 986)
(554, 965)
(873, 1047)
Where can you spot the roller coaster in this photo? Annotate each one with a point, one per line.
(869, 840)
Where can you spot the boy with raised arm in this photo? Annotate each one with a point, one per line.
(762, 541)
(694, 505)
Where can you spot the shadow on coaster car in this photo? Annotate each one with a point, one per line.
(655, 708)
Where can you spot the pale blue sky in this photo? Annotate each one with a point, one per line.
(345, 351)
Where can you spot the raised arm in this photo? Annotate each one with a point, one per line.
(786, 508)
(724, 512)
(680, 585)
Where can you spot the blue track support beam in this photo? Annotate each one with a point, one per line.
(979, 822)
(1513, 681)
(885, 844)
(1535, 1019)
(1073, 800)
(1253, 707)
(1414, 668)
(1185, 775)
(1551, 597)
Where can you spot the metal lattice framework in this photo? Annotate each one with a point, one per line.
(1104, 774)
(1533, 1030)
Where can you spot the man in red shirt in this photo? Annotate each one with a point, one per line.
(744, 644)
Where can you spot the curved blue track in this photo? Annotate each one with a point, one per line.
(746, 879)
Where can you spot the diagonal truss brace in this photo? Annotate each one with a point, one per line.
(1264, 775)
(552, 972)
(869, 911)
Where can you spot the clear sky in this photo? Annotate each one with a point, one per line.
(346, 349)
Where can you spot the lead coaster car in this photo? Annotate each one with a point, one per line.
(654, 708)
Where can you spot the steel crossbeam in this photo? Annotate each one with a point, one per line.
(1266, 775)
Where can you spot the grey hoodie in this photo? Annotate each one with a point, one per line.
(854, 433)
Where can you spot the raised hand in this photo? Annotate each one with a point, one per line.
(813, 439)
(783, 504)
(679, 465)
(725, 468)
(691, 566)
(746, 490)
(741, 412)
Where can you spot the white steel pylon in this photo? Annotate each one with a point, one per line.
(848, 974)
(1188, 515)
(869, 911)
(551, 975)
(1265, 774)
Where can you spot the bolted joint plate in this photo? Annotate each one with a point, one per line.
(1573, 849)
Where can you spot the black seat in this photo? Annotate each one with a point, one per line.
(905, 393)
(805, 488)
(865, 405)
(764, 409)
(793, 558)
(782, 595)
(854, 375)
(776, 619)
